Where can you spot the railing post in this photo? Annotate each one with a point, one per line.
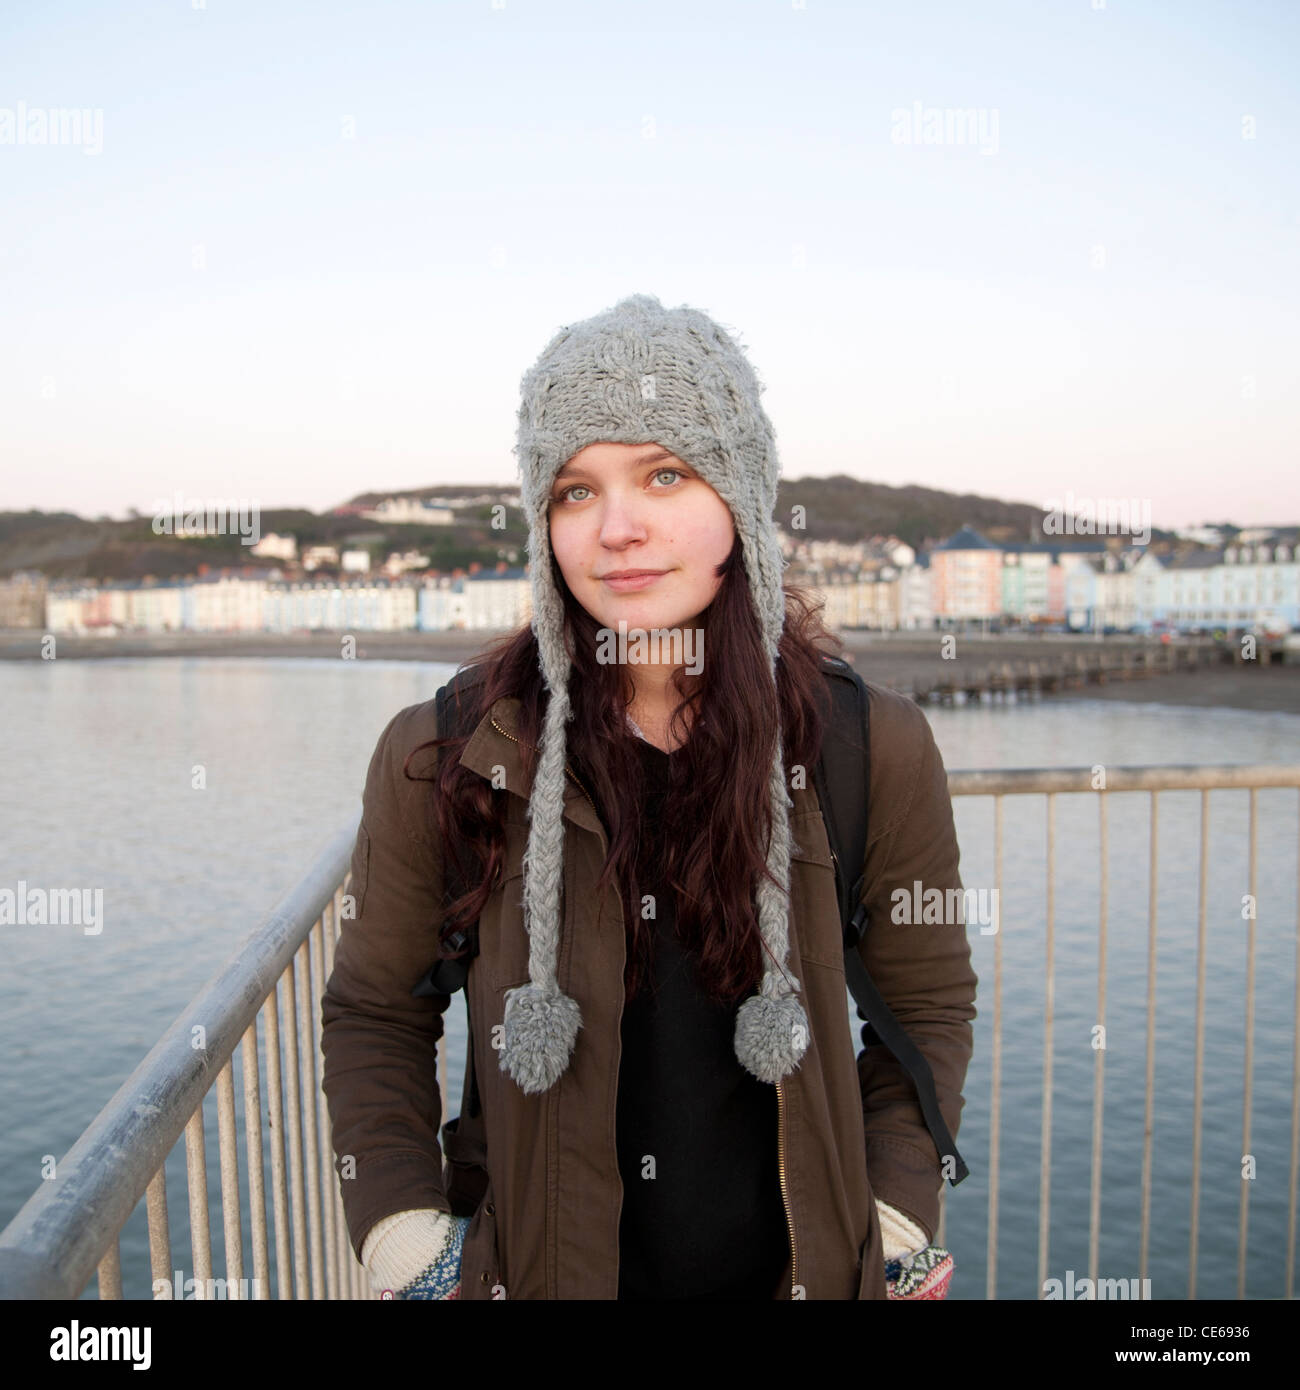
(1049, 988)
(995, 1101)
(196, 1175)
(253, 1152)
(1248, 1080)
(1199, 1069)
(160, 1240)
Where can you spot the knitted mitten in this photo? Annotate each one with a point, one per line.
(440, 1279)
(914, 1269)
(416, 1254)
(923, 1275)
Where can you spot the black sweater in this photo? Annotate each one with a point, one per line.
(710, 1223)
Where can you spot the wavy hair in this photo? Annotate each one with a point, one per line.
(714, 843)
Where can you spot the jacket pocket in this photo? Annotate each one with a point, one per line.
(503, 942)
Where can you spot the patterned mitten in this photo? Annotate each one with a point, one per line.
(441, 1278)
(923, 1275)
(914, 1269)
(415, 1254)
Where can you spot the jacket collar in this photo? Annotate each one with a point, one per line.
(494, 744)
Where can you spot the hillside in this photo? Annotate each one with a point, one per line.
(65, 546)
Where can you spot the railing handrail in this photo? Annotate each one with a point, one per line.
(1153, 777)
(52, 1246)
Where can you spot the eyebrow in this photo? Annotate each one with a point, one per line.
(652, 457)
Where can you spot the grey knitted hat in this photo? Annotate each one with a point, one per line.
(639, 373)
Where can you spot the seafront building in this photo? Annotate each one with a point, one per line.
(880, 584)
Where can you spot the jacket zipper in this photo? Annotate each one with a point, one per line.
(780, 1140)
(567, 768)
(780, 1150)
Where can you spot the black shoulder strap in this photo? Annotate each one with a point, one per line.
(445, 977)
(842, 779)
(842, 791)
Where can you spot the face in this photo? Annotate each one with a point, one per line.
(638, 507)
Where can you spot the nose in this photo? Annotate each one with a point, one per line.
(622, 521)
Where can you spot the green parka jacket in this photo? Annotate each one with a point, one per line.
(546, 1220)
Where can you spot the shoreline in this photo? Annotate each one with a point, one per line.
(886, 659)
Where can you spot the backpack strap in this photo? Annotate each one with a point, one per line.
(445, 977)
(841, 781)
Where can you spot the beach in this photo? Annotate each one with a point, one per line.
(889, 659)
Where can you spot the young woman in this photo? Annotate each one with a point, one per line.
(671, 1106)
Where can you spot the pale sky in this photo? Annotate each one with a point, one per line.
(308, 250)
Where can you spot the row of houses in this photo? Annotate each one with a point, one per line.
(966, 578)
(242, 602)
(1235, 586)
(1090, 587)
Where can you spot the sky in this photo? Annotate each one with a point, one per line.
(297, 251)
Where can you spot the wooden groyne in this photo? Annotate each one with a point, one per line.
(1030, 679)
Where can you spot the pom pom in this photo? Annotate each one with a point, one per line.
(771, 1036)
(541, 1027)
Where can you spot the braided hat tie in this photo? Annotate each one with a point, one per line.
(634, 374)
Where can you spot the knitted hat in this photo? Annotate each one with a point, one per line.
(639, 373)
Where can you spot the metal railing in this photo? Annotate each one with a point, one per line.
(71, 1227)
(1052, 782)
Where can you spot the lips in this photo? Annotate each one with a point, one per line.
(632, 580)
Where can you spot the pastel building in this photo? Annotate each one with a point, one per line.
(67, 605)
(966, 577)
(1034, 581)
(1241, 586)
(223, 603)
(915, 596)
(441, 605)
(326, 605)
(1101, 591)
(22, 600)
(498, 600)
(155, 606)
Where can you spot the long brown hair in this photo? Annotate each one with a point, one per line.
(714, 843)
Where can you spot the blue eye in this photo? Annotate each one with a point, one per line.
(563, 494)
